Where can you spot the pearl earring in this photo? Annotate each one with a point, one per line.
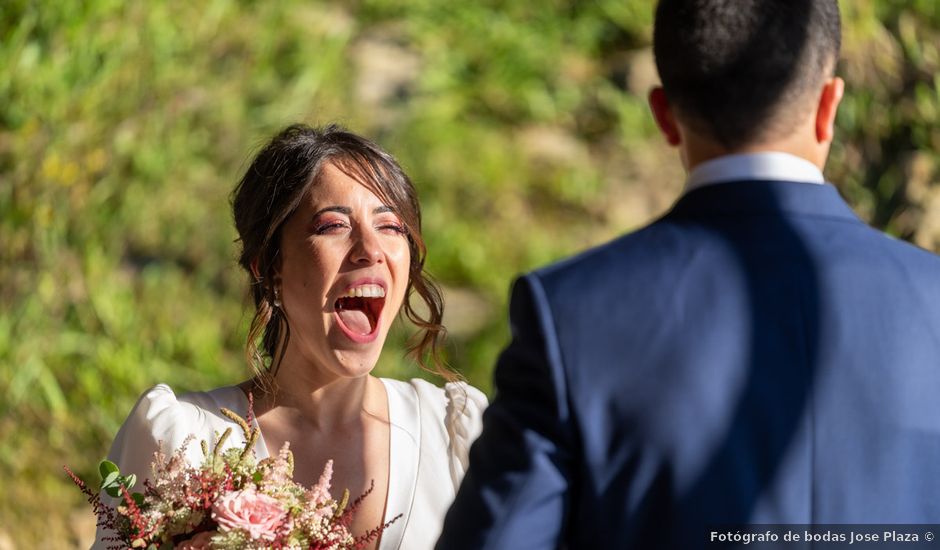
(277, 298)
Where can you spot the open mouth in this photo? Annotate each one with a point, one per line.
(359, 311)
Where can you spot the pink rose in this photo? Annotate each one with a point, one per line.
(199, 542)
(257, 514)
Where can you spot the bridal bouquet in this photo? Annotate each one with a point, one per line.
(231, 501)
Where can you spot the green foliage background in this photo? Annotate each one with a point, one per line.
(125, 124)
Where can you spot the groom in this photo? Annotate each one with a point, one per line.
(758, 355)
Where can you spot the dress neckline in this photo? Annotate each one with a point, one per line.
(403, 453)
(404, 445)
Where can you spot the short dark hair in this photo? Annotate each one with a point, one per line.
(272, 189)
(734, 68)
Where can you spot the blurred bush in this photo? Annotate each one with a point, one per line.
(125, 124)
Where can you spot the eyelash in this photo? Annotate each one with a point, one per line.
(400, 229)
(320, 230)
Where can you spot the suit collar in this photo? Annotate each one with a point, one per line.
(764, 198)
(763, 166)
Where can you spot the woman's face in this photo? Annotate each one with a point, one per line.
(343, 275)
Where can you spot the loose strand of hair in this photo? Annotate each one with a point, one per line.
(425, 345)
(256, 332)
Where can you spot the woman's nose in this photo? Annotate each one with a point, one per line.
(366, 249)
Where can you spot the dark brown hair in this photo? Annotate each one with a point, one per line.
(272, 189)
(740, 70)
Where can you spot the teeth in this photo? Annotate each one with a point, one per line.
(365, 291)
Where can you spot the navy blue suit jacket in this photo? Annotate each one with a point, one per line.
(757, 355)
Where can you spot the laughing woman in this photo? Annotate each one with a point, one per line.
(330, 231)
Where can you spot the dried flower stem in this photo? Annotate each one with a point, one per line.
(373, 534)
(218, 444)
(233, 416)
(249, 444)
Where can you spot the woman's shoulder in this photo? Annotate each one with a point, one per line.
(454, 400)
(451, 417)
(161, 419)
(160, 412)
(163, 410)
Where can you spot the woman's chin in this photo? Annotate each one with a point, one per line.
(351, 367)
(357, 353)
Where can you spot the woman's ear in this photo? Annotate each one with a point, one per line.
(665, 119)
(254, 270)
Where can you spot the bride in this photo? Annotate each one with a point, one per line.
(331, 239)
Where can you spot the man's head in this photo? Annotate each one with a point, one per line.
(741, 73)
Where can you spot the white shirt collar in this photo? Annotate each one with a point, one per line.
(754, 166)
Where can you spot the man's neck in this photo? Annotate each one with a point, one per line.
(696, 149)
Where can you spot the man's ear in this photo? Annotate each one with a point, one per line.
(829, 100)
(665, 119)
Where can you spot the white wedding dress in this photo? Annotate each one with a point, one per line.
(431, 432)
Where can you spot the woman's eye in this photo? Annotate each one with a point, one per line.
(329, 227)
(396, 228)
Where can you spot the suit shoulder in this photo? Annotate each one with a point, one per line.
(912, 253)
(652, 248)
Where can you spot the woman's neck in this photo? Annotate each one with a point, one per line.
(326, 403)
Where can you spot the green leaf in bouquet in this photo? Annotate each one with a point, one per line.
(113, 483)
(106, 467)
(138, 498)
(110, 480)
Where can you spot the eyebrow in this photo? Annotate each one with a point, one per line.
(345, 210)
(339, 209)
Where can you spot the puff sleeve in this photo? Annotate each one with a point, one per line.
(157, 417)
(465, 406)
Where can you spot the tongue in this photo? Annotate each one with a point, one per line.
(356, 320)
